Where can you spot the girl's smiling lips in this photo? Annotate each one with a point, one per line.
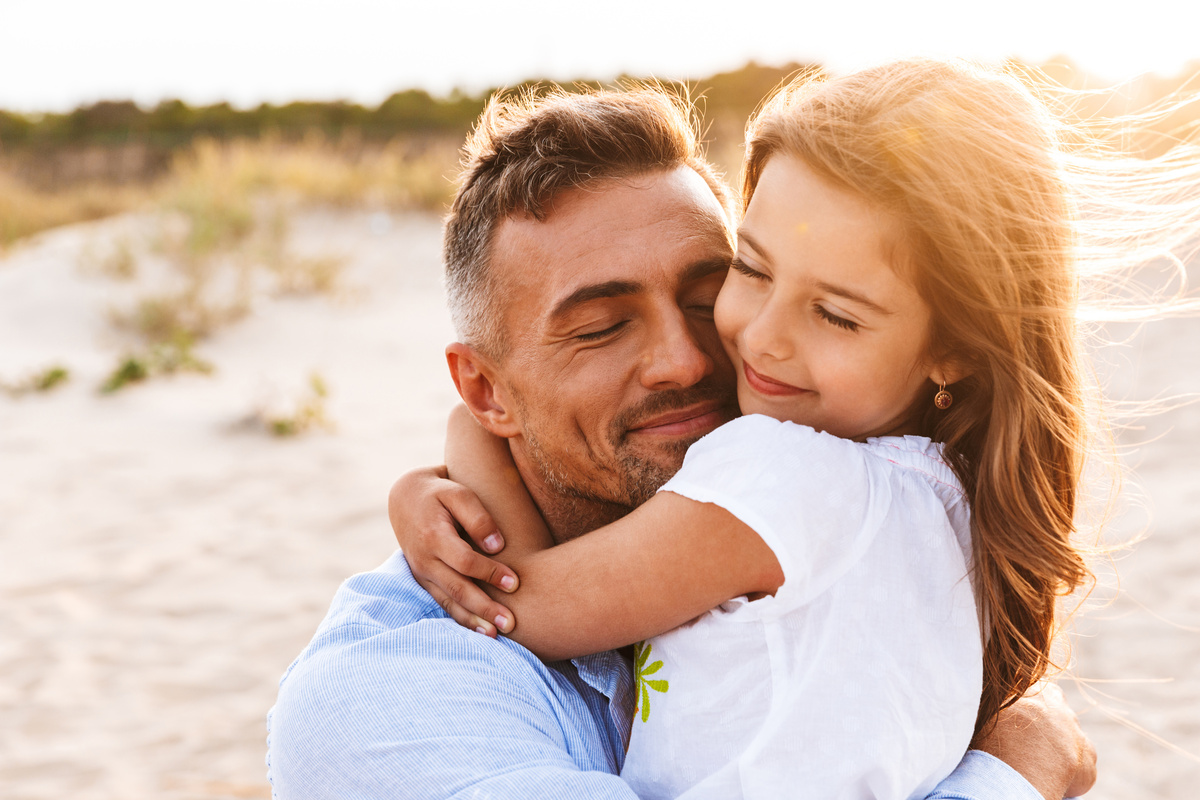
(764, 385)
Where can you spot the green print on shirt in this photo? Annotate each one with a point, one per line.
(641, 655)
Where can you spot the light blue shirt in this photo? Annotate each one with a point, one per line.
(392, 699)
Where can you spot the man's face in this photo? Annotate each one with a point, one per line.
(614, 366)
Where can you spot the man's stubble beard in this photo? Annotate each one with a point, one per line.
(590, 504)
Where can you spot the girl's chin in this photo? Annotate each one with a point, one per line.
(798, 416)
(784, 412)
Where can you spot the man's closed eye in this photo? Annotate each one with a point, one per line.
(592, 336)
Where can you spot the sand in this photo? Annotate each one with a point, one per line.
(162, 559)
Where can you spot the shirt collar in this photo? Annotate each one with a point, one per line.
(611, 674)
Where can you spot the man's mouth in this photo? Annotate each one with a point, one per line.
(769, 386)
(695, 419)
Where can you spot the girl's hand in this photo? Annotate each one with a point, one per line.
(426, 510)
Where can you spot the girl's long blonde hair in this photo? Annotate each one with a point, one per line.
(1005, 209)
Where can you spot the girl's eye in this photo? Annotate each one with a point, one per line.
(595, 335)
(741, 266)
(834, 319)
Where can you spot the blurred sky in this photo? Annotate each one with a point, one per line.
(56, 54)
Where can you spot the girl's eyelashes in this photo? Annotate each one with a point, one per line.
(834, 319)
(738, 265)
(596, 335)
(741, 266)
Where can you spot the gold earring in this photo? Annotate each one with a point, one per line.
(943, 399)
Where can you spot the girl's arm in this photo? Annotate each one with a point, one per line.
(667, 562)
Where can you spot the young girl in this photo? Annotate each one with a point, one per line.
(902, 316)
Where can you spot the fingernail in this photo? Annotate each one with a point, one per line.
(501, 621)
(492, 543)
(507, 583)
(482, 630)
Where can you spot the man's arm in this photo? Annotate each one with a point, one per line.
(1038, 737)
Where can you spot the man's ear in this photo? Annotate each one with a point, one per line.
(474, 376)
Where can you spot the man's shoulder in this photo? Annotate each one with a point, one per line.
(386, 651)
(391, 689)
(386, 597)
(383, 623)
(388, 666)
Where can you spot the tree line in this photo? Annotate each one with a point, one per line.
(172, 123)
(725, 99)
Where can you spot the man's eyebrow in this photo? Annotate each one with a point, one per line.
(594, 291)
(702, 269)
(829, 288)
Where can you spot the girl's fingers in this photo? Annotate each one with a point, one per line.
(423, 508)
(456, 612)
(464, 506)
(414, 504)
(463, 592)
(466, 561)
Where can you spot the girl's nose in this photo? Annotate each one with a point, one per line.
(769, 333)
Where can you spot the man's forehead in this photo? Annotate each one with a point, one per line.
(647, 227)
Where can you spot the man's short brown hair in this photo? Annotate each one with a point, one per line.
(525, 150)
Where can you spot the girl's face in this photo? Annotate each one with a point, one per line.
(820, 327)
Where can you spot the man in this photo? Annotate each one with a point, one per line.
(584, 251)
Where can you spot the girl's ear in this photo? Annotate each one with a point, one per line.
(949, 372)
(475, 375)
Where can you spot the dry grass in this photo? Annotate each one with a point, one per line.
(308, 414)
(225, 176)
(298, 415)
(222, 234)
(25, 211)
(120, 263)
(162, 318)
(218, 255)
(399, 175)
(225, 224)
(164, 358)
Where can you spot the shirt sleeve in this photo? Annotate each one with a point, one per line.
(428, 717)
(816, 500)
(980, 776)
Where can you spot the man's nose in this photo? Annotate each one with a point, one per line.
(676, 358)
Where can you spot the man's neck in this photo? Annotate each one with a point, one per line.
(569, 517)
(567, 514)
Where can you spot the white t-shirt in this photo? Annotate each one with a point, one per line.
(861, 676)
